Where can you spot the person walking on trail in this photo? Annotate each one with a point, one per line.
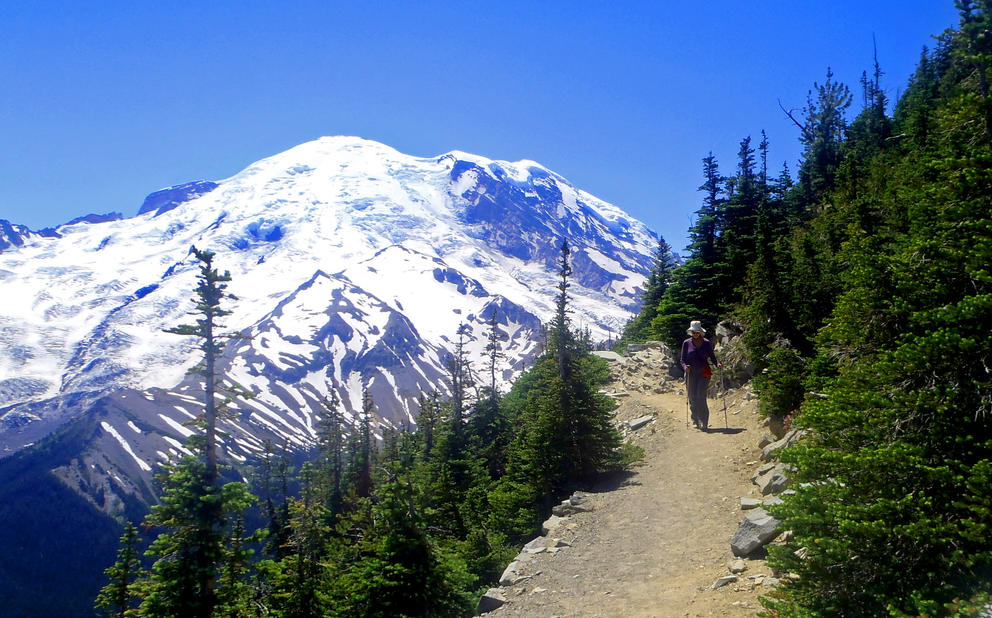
(697, 351)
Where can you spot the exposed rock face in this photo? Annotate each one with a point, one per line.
(166, 199)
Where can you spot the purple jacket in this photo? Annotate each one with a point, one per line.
(696, 357)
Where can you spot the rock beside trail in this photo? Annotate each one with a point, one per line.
(493, 599)
(512, 575)
(577, 503)
(551, 524)
(750, 503)
(637, 423)
(737, 566)
(757, 530)
(723, 581)
(774, 480)
(768, 452)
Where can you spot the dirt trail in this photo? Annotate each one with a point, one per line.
(657, 539)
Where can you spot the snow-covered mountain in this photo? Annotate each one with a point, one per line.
(352, 264)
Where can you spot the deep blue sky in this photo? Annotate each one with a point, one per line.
(102, 103)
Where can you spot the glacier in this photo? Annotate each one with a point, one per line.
(352, 267)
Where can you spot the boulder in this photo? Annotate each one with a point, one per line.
(773, 481)
(613, 357)
(511, 574)
(750, 503)
(493, 599)
(728, 330)
(757, 530)
(762, 470)
(536, 546)
(577, 503)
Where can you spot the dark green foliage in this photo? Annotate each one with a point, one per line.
(299, 583)
(394, 569)
(190, 553)
(117, 596)
(565, 434)
(780, 383)
(639, 328)
(896, 508)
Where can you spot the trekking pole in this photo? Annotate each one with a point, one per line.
(687, 400)
(723, 385)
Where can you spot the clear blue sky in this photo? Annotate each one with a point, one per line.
(102, 103)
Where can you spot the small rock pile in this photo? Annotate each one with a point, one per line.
(520, 568)
(645, 367)
(759, 528)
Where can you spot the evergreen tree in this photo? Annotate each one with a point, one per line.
(116, 598)
(302, 579)
(488, 424)
(195, 511)
(395, 569)
(330, 447)
(893, 500)
(697, 285)
(822, 133)
(660, 277)
(209, 294)
(566, 435)
(190, 553)
(361, 448)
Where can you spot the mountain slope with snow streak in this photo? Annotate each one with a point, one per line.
(352, 266)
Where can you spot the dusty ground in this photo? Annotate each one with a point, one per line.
(657, 539)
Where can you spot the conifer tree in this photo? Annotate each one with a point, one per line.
(195, 511)
(395, 569)
(696, 285)
(302, 579)
(822, 131)
(893, 499)
(361, 452)
(660, 277)
(116, 598)
(488, 424)
(330, 446)
(209, 294)
(566, 435)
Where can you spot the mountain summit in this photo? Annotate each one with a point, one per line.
(353, 266)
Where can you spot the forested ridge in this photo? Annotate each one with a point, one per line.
(863, 285)
(865, 292)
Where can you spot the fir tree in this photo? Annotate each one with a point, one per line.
(116, 598)
(195, 511)
(209, 294)
(893, 500)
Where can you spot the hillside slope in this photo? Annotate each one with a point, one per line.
(656, 540)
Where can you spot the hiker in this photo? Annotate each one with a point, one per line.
(697, 351)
